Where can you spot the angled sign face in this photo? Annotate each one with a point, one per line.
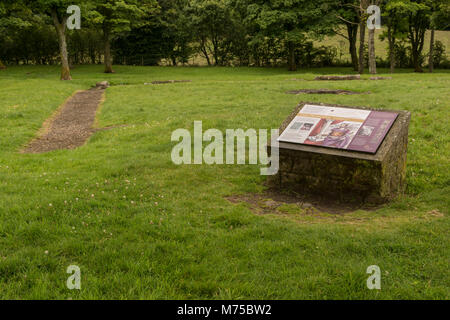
(341, 128)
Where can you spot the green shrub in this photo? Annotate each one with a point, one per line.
(439, 55)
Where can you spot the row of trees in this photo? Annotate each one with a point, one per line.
(109, 17)
(404, 20)
(251, 32)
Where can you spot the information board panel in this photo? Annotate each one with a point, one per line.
(341, 128)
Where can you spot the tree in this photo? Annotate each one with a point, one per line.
(3, 16)
(418, 23)
(363, 4)
(347, 13)
(394, 14)
(176, 35)
(13, 16)
(440, 16)
(242, 35)
(212, 24)
(57, 11)
(291, 21)
(372, 56)
(411, 19)
(117, 16)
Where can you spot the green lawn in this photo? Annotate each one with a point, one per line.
(141, 227)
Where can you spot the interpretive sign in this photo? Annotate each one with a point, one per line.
(341, 128)
(320, 152)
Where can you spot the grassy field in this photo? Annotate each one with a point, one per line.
(381, 47)
(339, 42)
(140, 227)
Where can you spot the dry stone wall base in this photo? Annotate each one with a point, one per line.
(347, 77)
(325, 91)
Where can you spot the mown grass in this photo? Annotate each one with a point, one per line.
(141, 227)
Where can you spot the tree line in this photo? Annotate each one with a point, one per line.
(222, 32)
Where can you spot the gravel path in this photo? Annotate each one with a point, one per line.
(71, 126)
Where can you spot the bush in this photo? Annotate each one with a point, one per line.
(440, 56)
(402, 54)
(308, 56)
(141, 46)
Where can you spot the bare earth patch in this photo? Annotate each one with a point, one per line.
(380, 78)
(307, 210)
(325, 91)
(271, 200)
(71, 126)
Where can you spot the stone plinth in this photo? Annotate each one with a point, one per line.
(345, 175)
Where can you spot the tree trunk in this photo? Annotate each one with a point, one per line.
(291, 59)
(391, 57)
(372, 56)
(416, 36)
(416, 61)
(61, 31)
(216, 57)
(108, 58)
(352, 32)
(362, 36)
(205, 53)
(362, 33)
(257, 61)
(204, 50)
(391, 40)
(216, 52)
(430, 61)
(416, 50)
(93, 58)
